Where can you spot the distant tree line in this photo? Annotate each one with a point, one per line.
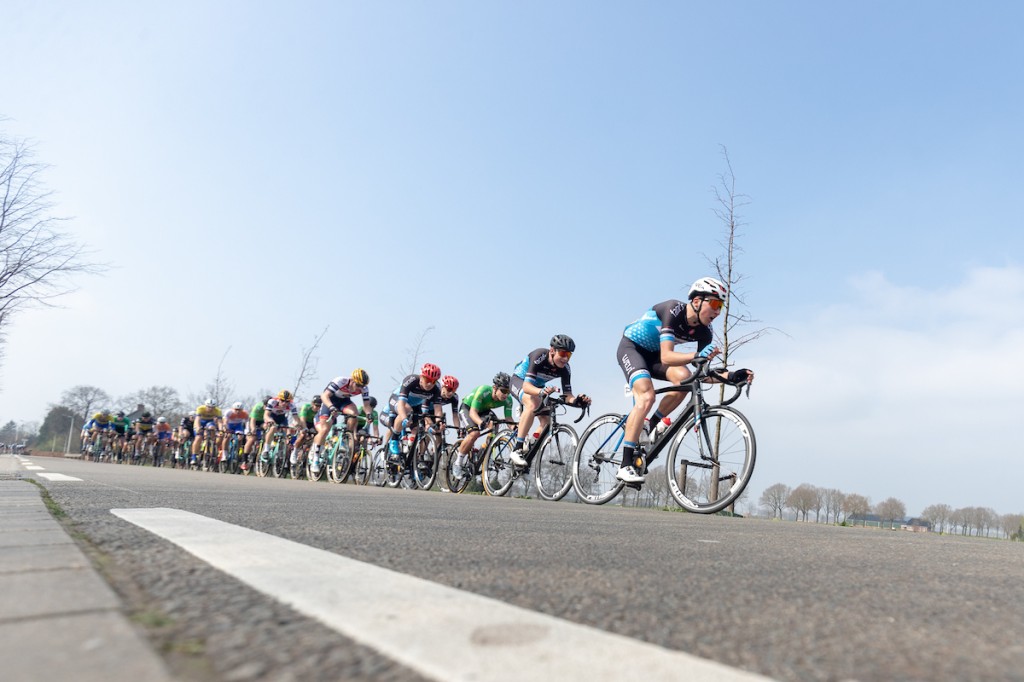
(807, 503)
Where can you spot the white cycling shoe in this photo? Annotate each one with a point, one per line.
(517, 458)
(629, 474)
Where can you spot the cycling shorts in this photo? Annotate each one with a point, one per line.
(638, 363)
(238, 427)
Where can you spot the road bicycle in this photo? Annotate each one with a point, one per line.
(416, 464)
(267, 461)
(551, 452)
(338, 449)
(231, 461)
(471, 469)
(362, 458)
(710, 451)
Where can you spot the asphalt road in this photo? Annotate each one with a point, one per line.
(787, 600)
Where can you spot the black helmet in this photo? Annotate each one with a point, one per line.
(502, 380)
(563, 342)
(318, 399)
(373, 403)
(120, 413)
(147, 415)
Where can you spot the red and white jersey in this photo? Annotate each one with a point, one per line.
(344, 387)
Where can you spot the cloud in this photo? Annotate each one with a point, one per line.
(898, 391)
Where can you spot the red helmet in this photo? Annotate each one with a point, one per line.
(450, 382)
(430, 371)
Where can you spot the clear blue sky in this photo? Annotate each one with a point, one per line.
(503, 171)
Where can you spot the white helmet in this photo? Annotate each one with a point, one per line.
(161, 420)
(236, 406)
(708, 286)
(210, 402)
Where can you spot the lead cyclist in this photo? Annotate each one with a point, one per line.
(647, 351)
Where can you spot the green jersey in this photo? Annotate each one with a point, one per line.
(307, 413)
(256, 413)
(482, 400)
(373, 418)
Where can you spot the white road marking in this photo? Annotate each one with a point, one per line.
(59, 477)
(34, 467)
(440, 632)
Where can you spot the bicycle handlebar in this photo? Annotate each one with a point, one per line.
(703, 371)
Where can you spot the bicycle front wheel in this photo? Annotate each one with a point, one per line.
(597, 459)
(498, 473)
(362, 466)
(341, 457)
(554, 463)
(710, 463)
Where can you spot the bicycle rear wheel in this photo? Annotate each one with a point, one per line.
(456, 484)
(709, 466)
(379, 469)
(362, 466)
(554, 463)
(498, 473)
(424, 462)
(597, 459)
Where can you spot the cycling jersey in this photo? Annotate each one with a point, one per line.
(207, 414)
(639, 351)
(666, 321)
(145, 425)
(307, 413)
(234, 417)
(364, 419)
(538, 370)
(187, 423)
(452, 402)
(121, 425)
(341, 390)
(483, 401)
(256, 413)
(99, 421)
(410, 391)
(163, 431)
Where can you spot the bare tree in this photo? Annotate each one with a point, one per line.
(855, 505)
(891, 510)
(803, 499)
(938, 515)
(413, 354)
(38, 259)
(774, 498)
(220, 387)
(833, 500)
(729, 204)
(82, 399)
(1011, 524)
(160, 400)
(307, 370)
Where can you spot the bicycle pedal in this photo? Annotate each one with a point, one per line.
(634, 486)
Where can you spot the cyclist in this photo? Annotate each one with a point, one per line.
(475, 411)
(337, 397)
(207, 415)
(416, 392)
(449, 397)
(528, 385)
(99, 423)
(163, 430)
(186, 428)
(122, 431)
(647, 351)
(305, 421)
(235, 421)
(255, 430)
(143, 428)
(275, 416)
(368, 418)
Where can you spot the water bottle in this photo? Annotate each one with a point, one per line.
(407, 442)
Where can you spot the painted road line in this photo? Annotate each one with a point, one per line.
(58, 477)
(438, 631)
(34, 467)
